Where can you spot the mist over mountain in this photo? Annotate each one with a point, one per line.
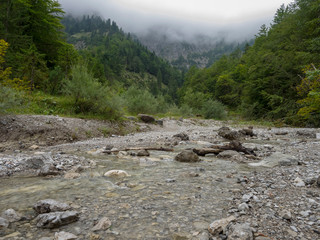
(184, 52)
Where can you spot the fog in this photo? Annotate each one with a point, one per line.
(183, 19)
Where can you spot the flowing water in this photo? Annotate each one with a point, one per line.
(161, 197)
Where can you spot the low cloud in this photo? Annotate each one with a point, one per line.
(141, 19)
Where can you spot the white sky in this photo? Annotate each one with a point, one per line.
(241, 16)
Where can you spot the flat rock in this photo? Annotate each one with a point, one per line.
(50, 205)
(56, 219)
(116, 173)
(240, 232)
(64, 236)
(187, 156)
(219, 226)
(103, 224)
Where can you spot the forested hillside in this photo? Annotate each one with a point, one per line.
(114, 56)
(89, 67)
(276, 78)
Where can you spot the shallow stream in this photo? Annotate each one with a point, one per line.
(160, 198)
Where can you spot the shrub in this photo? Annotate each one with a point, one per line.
(90, 96)
(140, 101)
(213, 109)
(8, 98)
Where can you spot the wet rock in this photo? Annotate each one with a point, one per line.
(286, 214)
(50, 205)
(11, 215)
(187, 156)
(116, 173)
(146, 118)
(64, 236)
(240, 232)
(103, 224)
(229, 134)
(56, 219)
(4, 223)
(219, 226)
(143, 153)
(230, 154)
(182, 136)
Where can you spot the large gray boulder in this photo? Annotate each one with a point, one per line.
(50, 205)
(56, 219)
(187, 156)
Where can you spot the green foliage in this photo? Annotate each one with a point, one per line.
(111, 53)
(9, 98)
(142, 101)
(262, 81)
(88, 93)
(309, 88)
(213, 109)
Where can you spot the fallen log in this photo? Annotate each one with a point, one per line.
(205, 151)
(140, 148)
(237, 146)
(216, 149)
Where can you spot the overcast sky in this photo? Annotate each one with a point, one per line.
(237, 18)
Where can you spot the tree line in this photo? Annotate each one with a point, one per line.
(277, 78)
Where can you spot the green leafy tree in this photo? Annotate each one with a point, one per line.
(309, 89)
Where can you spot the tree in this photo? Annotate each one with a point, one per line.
(309, 89)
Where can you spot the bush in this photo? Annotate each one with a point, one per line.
(90, 96)
(142, 101)
(213, 109)
(9, 98)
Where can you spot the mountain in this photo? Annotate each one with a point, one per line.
(183, 52)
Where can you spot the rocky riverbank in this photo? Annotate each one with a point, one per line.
(135, 186)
